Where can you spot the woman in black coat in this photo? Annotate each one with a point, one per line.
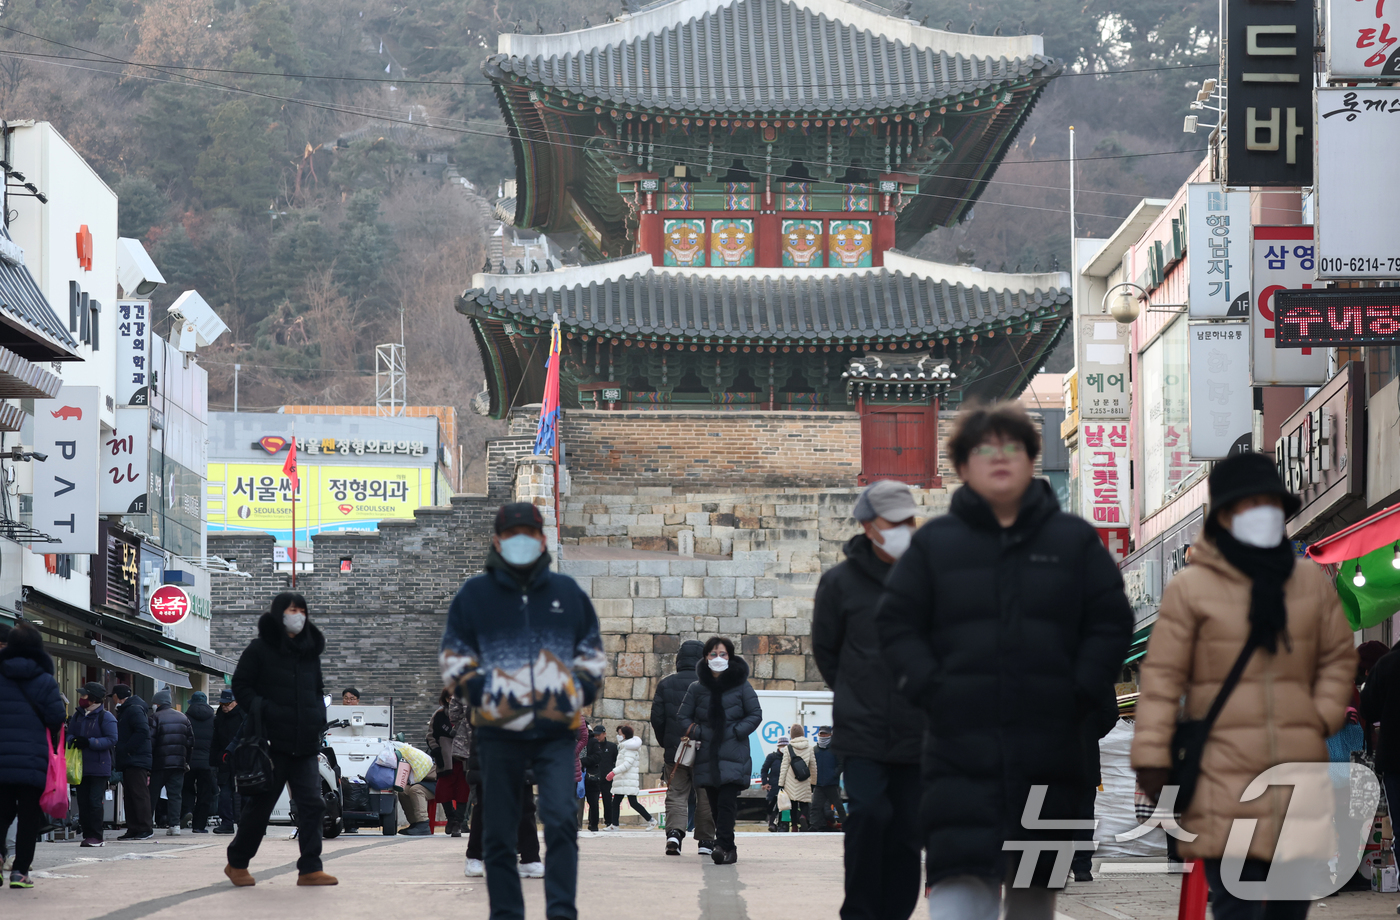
(723, 709)
(30, 707)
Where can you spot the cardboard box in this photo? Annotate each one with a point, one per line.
(1385, 879)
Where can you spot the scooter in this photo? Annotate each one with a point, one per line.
(333, 822)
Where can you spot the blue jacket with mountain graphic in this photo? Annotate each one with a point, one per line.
(523, 647)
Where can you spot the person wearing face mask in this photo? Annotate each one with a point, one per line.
(721, 711)
(1244, 597)
(827, 812)
(522, 646)
(877, 730)
(278, 684)
(93, 730)
(1006, 621)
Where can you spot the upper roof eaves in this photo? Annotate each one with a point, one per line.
(795, 55)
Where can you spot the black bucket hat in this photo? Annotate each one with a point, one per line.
(1245, 475)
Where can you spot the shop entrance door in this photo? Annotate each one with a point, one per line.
(900, 442)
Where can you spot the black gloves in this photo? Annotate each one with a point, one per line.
(79, 742)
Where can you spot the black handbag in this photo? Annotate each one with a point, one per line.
(798, 766)
(250, 763)
(1189, 739)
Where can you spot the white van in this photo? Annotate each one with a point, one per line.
(781, 710)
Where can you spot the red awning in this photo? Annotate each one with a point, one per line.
(1359, 539)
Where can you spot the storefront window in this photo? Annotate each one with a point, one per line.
(1167, 463)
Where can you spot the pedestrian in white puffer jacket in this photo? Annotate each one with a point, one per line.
(627, 774)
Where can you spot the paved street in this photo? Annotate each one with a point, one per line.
(624, 875)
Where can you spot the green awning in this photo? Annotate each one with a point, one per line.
(1378, 597)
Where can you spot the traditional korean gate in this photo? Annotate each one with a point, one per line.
(900, 442)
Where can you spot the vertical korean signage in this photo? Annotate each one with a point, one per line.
(1103, 368)
(1283, 260)
(1217, 250)
(1358, 199)
(133, 353)
(1363, 40)
(1269, 92)
(1222, 402)
(126, 458)
(68, 430)
(1103, 473)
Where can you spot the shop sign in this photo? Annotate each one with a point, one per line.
(116, 571)
(1283, 260)
(169, 604)
(1358, 211)
(1103, 368)
(133, 353)
(126, 459)
(343, 446)
(1142, 582)
(1269, 93)
(68, 429)
(1103, 470)
(1352, 316)
(1319, 448)
(1362, 40)
(1217, 251)
(1222, 402)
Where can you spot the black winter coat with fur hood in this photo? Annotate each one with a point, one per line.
(279, 677)
(724, 710)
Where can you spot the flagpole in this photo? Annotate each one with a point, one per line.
(558, 426)
(295, 480)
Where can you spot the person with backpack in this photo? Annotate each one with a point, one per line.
(452, 789)
(228, 722)
(1255, 635)
(797, 775)
(278, 681)
(31, 715)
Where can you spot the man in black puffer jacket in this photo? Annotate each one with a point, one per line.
(667, 726)
(1006, 621)
(877, 730)
(172, 743)
(132, 758)
(228, 722)
(203, 780)
(278, 683)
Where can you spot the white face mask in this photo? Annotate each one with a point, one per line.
(719, 665)
(895, 541)
(294, 622)
(1261, 526)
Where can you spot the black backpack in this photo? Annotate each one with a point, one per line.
(798, 766)
(250, 763)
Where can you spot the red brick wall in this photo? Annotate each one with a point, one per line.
(693, 450)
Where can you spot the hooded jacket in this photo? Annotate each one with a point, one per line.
(1284, 708)
(172, 737)
(133, 751)
(226, 728)
(524, 648)
(278, 683)
(1009, 639)
(201, 716)
(769, 774)
(627, 774)
(871, 719)
(670, 693)
(799, 790)
(30, 705)
(724, 710)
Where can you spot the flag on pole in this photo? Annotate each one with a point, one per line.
(546, 436)
(289, 469)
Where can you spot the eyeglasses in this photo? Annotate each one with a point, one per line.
(1009, 449)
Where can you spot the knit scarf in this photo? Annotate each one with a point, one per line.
(1269, 569)
(716, 724)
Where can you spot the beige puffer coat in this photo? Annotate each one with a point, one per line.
(1282, 711)
(798, 790)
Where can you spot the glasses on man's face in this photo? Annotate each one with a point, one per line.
(1009, 449)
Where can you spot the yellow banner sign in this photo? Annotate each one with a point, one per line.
(257, 496)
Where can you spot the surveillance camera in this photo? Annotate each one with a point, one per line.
(41, 457)
(136, 273)
(200, 325)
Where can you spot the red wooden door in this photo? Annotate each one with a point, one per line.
(900, 442)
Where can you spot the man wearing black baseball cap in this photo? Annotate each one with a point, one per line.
(93, 730)
(132, 758)
(522, 646)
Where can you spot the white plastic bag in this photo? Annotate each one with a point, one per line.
(1113, 806)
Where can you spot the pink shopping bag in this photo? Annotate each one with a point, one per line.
(54, 801)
